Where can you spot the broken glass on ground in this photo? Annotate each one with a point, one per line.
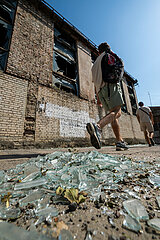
(35, 182)
(155, 180)
(9, 213)
(158, 201)
(154, 223)
(131, 224)
(136, 210)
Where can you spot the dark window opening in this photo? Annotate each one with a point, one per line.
(7, 12)
(64, 67)
(65, 73)
(5, 30)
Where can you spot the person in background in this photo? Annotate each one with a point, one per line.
(145, 119)
(109, 95)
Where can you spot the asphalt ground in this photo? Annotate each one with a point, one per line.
(9, 158)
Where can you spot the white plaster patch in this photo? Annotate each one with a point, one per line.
(72, 123)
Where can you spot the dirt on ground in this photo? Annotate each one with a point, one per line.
(101, 219)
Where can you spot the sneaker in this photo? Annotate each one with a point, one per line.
(95, 134)
(120, 146)
(152, 141)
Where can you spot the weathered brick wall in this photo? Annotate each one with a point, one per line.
(30, 116)
(130, 128)
(31, 51)
(13, 97)
(62, 116)
(32, 112)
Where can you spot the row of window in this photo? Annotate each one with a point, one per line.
(7, 13)
(65, 66)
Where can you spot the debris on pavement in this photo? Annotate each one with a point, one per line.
(44, 197)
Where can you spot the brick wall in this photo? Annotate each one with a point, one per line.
(13, 98)
(32, 111)
(31, 51)
(62, 117)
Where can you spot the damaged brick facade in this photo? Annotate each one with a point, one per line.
(156, 117)
(47, 100)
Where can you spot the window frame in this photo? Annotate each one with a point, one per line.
(5, 47)
(63, 80)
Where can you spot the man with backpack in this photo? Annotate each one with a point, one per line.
(107, 72)
(145, 119)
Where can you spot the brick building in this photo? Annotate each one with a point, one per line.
(46, 93)
(156, 116)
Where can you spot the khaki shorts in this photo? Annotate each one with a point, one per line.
(115, 99)
(147, 126)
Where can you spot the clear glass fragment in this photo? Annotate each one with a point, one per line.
(30, 184)
(136, 210)
(32, 197)
(131, 193)
(9, 213)
(45, 212)
(88, 236)
(158, 201)
(154, 223)
(131, 224)
(155, 180)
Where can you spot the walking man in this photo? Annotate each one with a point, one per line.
(145, 119)
(107, 71)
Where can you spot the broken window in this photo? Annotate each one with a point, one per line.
(65, 73)
(7, 12)
(132, 97)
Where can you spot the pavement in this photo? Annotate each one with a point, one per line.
(9, 158)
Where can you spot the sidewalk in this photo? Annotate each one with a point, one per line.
(9, 158)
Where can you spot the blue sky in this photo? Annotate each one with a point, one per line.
(131, 27)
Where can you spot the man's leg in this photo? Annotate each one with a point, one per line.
(151, 138)
(116, 130)
(147, 138)
(112, 118)
(114, 114)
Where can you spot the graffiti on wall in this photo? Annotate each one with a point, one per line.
(72, 123)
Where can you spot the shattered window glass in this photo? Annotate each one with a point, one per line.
(7, 12)
(65, 73)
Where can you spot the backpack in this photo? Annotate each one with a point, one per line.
(112, 68)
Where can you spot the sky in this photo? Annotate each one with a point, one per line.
(132, 29)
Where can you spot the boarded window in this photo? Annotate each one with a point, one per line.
(7, 12)
(65, 74)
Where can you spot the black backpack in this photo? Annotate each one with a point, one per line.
(112, 68)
